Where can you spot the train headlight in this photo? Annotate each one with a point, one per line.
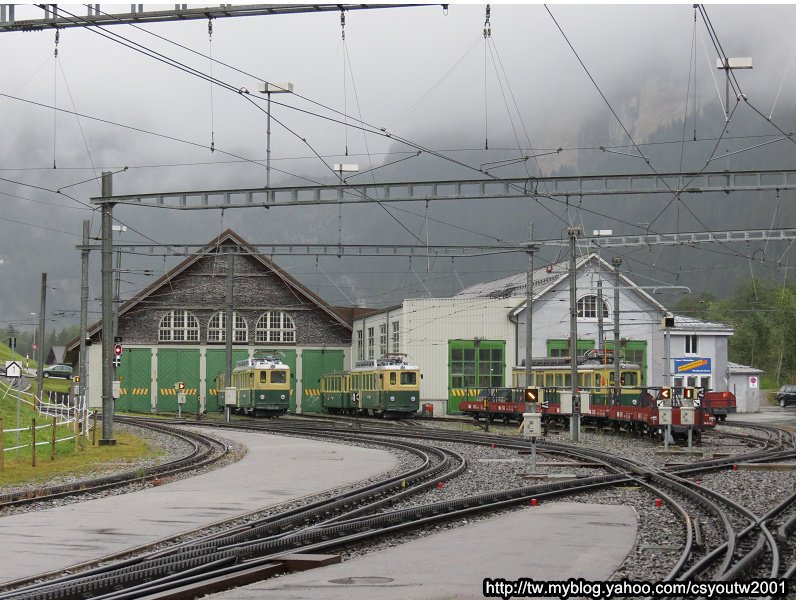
(283, 396)
(391, 398)
(261, 397)
(413, 398)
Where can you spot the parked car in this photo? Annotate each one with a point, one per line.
(64, 371)
(786, 395)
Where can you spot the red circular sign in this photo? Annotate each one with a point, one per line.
(34, 346)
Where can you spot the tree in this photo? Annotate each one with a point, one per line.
(762, 314)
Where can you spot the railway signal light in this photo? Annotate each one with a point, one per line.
(664, 394)
(689, 393)
(117, 349)
(532, 395)
(180, 386)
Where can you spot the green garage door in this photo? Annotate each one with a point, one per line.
(174, 366)
(215, 364)
(315, 363)
(473, 366)
(133, 374)
(290, 359)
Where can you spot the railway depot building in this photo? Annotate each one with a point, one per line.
(474, 339)
(174, 331)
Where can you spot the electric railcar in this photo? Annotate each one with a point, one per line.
(387, 386)
(263, 385)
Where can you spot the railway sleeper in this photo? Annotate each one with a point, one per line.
(698, 541)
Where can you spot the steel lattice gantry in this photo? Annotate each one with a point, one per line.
(465, 251)
(416, 191)
(96, 18)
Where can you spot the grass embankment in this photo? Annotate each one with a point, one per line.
(18, 463)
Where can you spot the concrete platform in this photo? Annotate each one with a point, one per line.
(275, 469)
(549, 542)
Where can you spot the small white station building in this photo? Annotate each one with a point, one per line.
(474, 339)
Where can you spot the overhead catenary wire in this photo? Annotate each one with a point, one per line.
(487, 33)
(55, 93)
(211, 81)
(618, 120)
(731, 76)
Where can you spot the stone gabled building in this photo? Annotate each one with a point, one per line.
(174, 330)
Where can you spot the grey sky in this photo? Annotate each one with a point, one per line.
(424, 75)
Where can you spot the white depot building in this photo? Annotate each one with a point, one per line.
(475, 338)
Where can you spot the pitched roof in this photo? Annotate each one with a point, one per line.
(226, 237)
(683, 322)
(742, 369)
(514, 285)
(544, 279)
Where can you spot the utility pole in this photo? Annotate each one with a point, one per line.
(529, 312)
(575, 419)
(269, 89)
(84, 310)
(600, 307)
(117, 272)
(229, 329)
(616, 261)
(40, 349)
(107, 273)
(667, 350)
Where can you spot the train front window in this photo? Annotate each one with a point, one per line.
(263, 377)
(277, 377)
(628, 378)
(408, 378)
(392, 378)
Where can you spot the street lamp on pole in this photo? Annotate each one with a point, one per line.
(729, 64)
(115, 310)
(33, 346)
(341, 169)
(269, 89)
(745, 62)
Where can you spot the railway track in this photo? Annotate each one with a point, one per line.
(225, 559)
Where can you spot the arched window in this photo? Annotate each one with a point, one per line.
(275, 326)
(179, 326)
(217, 324)
(587, 308)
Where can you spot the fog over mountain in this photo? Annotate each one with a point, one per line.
(429, 78)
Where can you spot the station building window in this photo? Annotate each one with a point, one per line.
(561, 347)
(690, 345)
(588, 307)
(217, 324)
(275, 326)
(360, 344)
(179, 326)
(383, 347)
(370, 342)
(395, 336)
